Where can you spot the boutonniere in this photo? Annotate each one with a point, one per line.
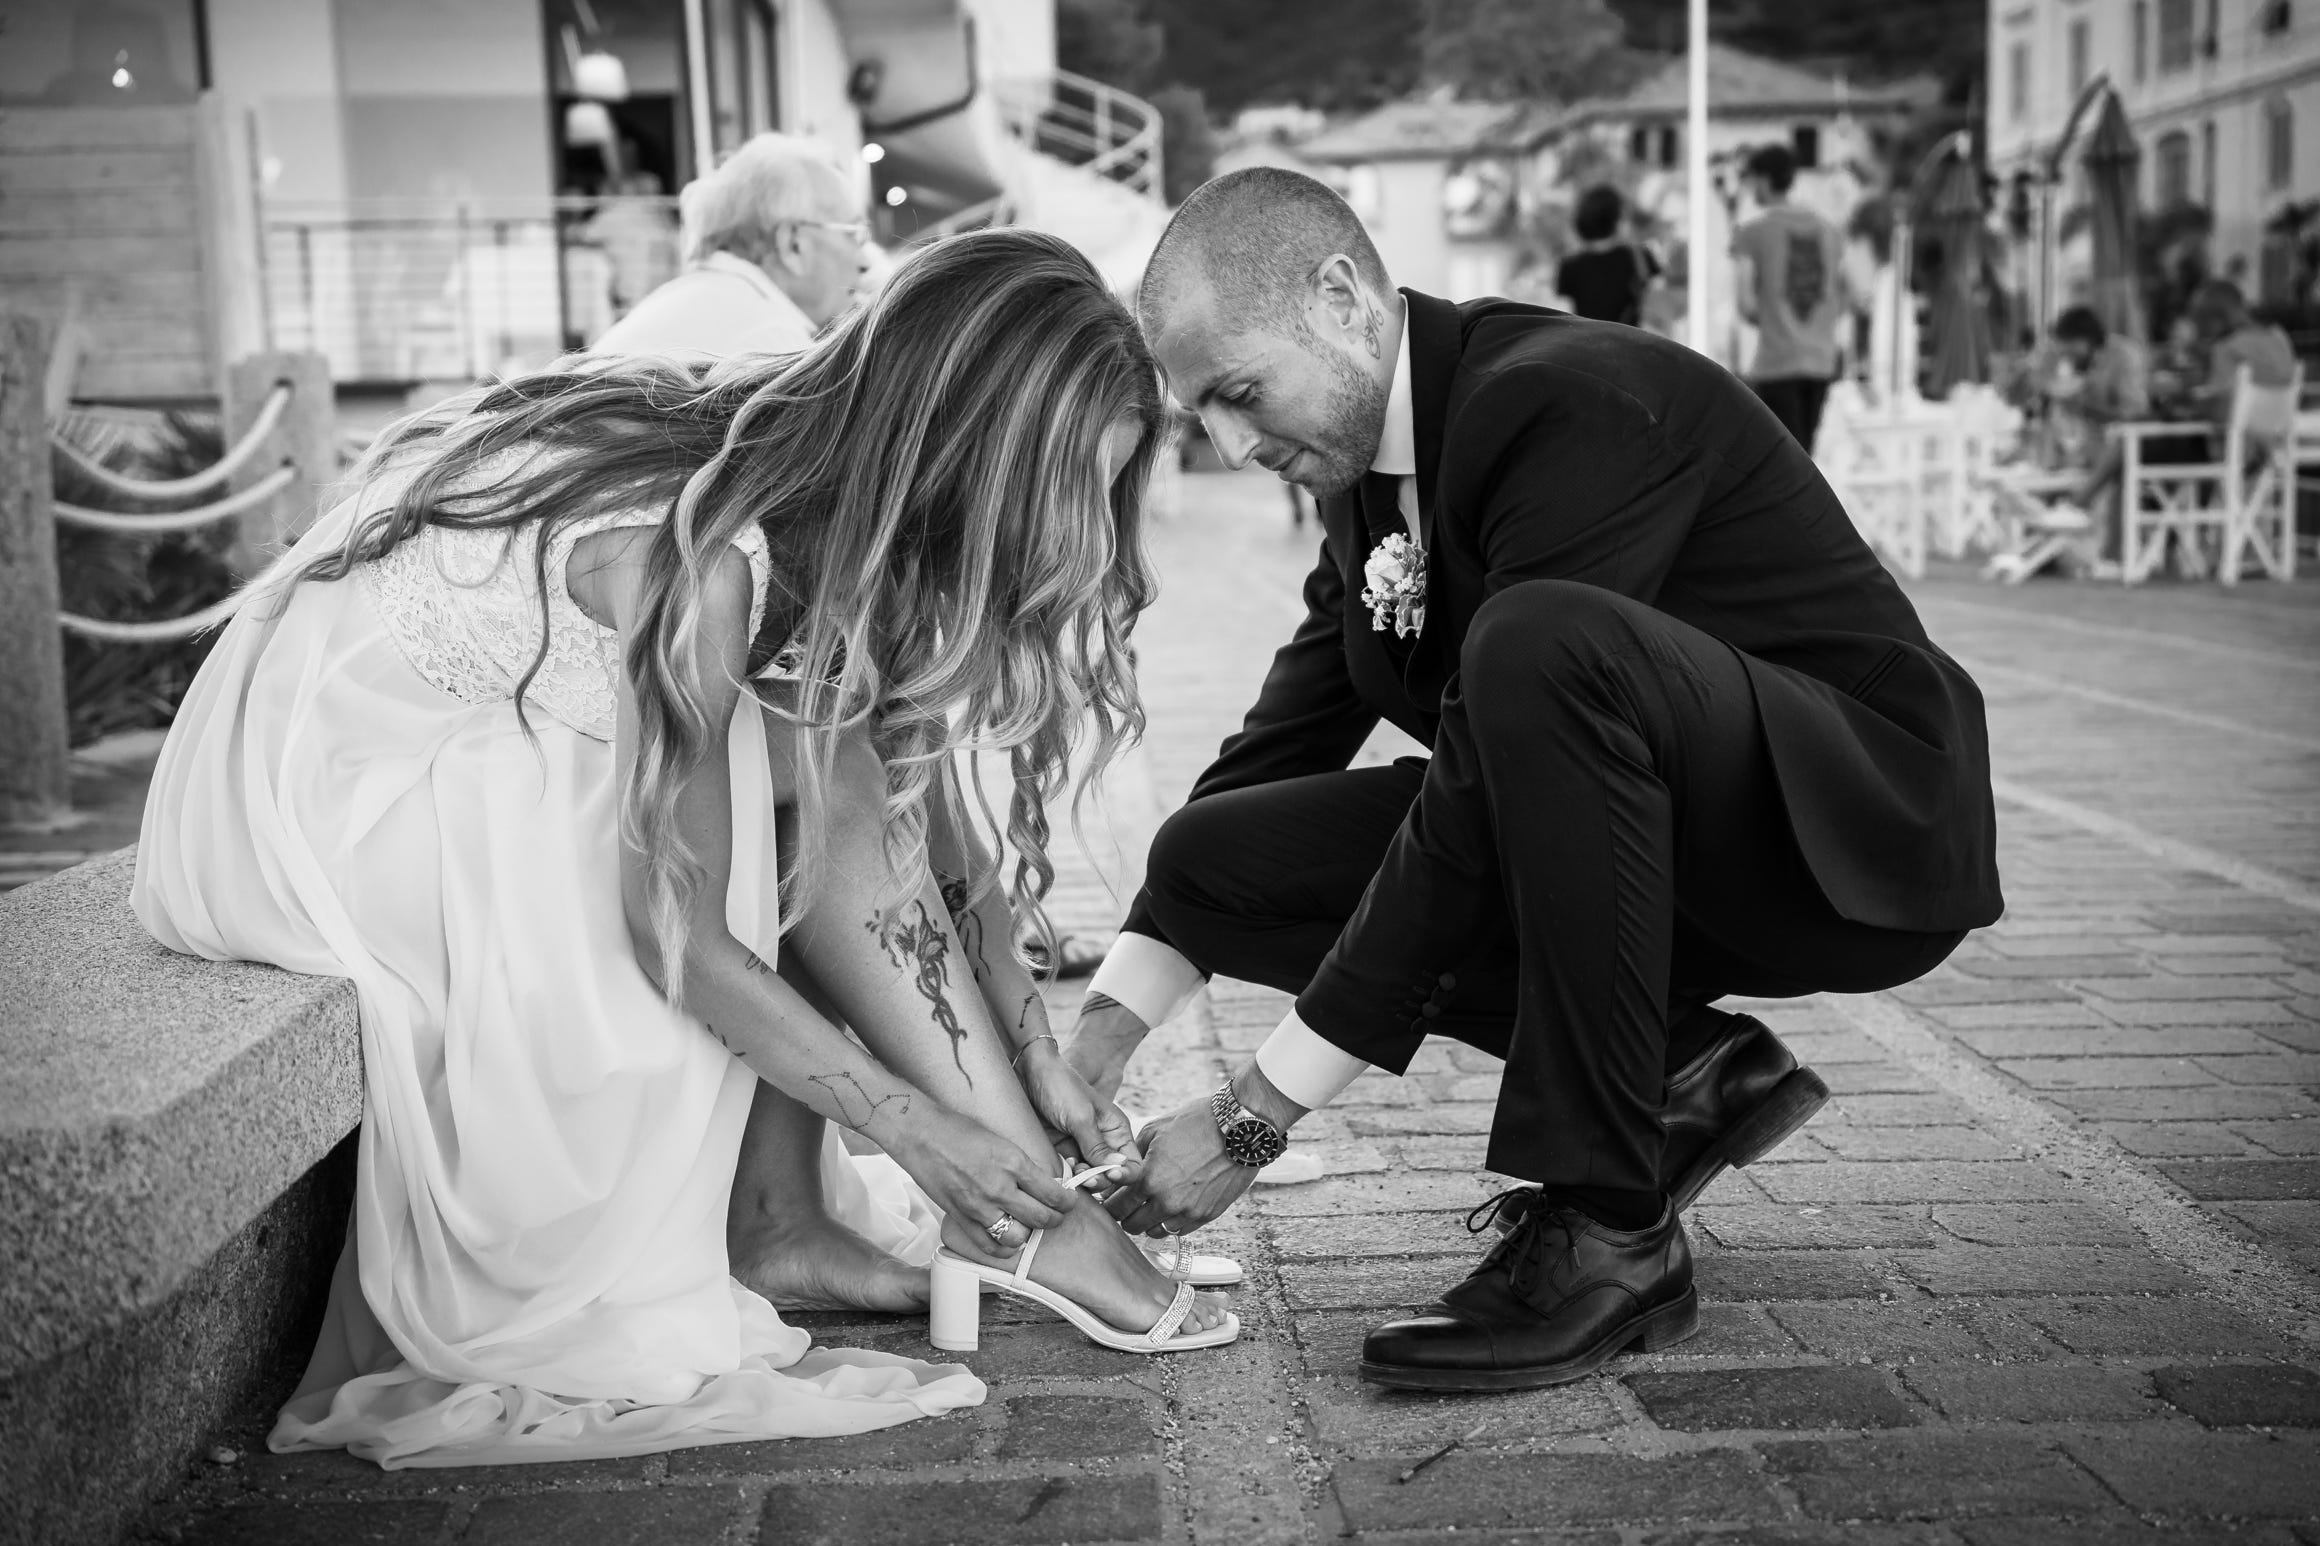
(1396, 588)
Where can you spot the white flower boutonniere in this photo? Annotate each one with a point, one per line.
(1396, 588)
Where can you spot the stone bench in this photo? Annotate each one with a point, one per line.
(176, 1164)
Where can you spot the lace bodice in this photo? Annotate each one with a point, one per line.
(463, 605)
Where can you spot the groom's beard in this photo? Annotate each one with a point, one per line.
(1353, 419)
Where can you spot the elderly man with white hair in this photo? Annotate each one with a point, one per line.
(775, 247)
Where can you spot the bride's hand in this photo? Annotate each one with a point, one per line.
(1069, 1105)
(974, 1175)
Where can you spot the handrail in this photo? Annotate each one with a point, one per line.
(1115, 134)
(151, 633)
(162, 523)
(269, 417)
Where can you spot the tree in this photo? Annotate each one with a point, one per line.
(1110, 41)
(1187, 144)
(1342, 56)
(1525, 50)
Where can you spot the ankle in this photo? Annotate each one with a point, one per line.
(1614, 1208)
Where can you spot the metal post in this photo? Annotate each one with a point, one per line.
(1696, 181)
(306, 440)
(35, 787)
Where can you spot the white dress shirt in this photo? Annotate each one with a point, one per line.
(1154, 981)
(720, 307)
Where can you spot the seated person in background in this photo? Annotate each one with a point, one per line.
(1606, 279)
(2101, 378)
(2237, 339)
(2178, 370)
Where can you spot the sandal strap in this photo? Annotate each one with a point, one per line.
(1091, 1177)
(1164, 1328)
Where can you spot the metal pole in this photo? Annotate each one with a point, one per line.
(697, 89)
(34, 784)
(1696, 181)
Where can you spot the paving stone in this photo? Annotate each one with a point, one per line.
(1027, 1351)
(2040, 1393)
(2039, 1224)
(1981, 1270)
(655, 1516)
(2304, 1036)
(2289, 1229)
(1873, 1079)
(2105, 1073)
(1908, 1181)
(1357, 1156)
(1713, 1400)
(1848, 1141)
(2048, 946)
(963, 1513)
(1799, 1534)
(1450, 1152)
(2256, 964)
(1927, 1476)
(1787, 1226)
(1301, 1237)
(1538, 1491)
(933, 1441)
(2121, 1532)
(2051, 968)
(1726, 1331)
(1898, 1111)
(2247, 1180)
(2177, 1140)
(1796, 1274)
(1815, 1048)
(1982, 990)
(1077, 1428)
(372, 1523)
(1387, 1193)
(1358, 1418)
(1893, 1333)
(1458, 1117)
(2235, 1475)
(2214, 1103)
(2243, 1395)
(2286, 1068)
(2291, 1138)
(2146, 1327)
(1385, 1283)
(2126, 1041)
(335, 1472)
(2157, 989)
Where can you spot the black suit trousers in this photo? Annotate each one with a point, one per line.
(1601, 765)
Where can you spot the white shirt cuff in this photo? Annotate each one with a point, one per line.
(1151, 980)
(1304, 1066)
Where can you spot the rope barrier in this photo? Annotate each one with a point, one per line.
(150, 633)
(165, 522)
(269, 416)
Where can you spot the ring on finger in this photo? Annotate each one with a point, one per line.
(998, 1228)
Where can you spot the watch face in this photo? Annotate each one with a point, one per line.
(1254, 1141)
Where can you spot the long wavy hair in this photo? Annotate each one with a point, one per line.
(950, 569)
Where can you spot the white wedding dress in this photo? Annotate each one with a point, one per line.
(537, 1265)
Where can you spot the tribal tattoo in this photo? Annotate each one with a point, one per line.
(958, 899)
(923, 946)
(847, 1094)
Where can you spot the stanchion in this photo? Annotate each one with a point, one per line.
(34, 785)
(305, 439)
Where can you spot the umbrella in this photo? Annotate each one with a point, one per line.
(1952, 203)
(2112, 160)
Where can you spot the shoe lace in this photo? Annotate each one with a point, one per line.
(1486, 1214)
(1526, 1243)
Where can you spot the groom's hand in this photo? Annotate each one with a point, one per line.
(1188, 1178)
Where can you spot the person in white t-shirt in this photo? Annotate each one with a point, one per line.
(775, 248)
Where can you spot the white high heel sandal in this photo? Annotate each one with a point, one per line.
(955, 1304)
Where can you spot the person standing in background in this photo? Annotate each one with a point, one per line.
(1606, 279)
(775, 248)
(1791, 286)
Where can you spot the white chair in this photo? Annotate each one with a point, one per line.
(2215, 514)
(2035, 522)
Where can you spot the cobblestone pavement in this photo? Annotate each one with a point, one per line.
(2046, 1270)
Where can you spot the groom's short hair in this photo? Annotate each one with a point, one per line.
(1253, 238)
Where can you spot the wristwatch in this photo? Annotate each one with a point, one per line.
(1248, 1138)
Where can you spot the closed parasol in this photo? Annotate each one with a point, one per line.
(1950, 205)
(2112, 160)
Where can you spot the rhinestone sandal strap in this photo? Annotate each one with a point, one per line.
(1165, 1327)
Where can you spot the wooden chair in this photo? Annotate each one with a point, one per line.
(2214, 514)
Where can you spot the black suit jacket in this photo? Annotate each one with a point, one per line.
(1553, 447)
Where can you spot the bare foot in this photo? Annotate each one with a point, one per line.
(1089, 1260)
(820, 1264)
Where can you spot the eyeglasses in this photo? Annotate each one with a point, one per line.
(859, 230)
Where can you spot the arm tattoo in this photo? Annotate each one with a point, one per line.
(1023, 1015)
(857, 1107)
(756, 963)
(960, 903)
(921, 945)
(721, 1041)
(1096, 1001)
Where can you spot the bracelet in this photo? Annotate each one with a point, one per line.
(1015, 1062)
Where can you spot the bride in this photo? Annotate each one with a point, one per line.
(504, 740)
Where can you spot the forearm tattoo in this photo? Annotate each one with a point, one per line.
(756, 963)
(1095, 1003)
(721, 1041)
(857, 1107)
(922, 947)
(959, 899)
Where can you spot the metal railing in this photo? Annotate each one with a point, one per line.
(1086, 123)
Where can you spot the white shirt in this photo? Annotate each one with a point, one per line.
(1153, 981)
(720, 307)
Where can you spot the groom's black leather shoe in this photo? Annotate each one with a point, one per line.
(1732, 1105)
(1552, 1302)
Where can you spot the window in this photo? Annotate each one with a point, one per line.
(1805, 141)
(2079, 49)
(2275, 17)
(2142, 39)
(1639, 144)
(760, 62)
(2279, 145)
(2175, 41)
(2207, 162)
(2018, 82)
(2171, 170)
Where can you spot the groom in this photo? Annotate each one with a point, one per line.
(1688, 739)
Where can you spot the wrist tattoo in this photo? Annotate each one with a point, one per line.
(756, 963)
(857, 1107)
(959, 900)
(1095, 1002)
(922, 947)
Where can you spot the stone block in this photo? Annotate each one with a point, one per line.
(1035, 1511)
(653, 1516)
(1383, 1283)
(2049, 968)
(1769, 1226)
(1077, 1428)
(932, 1441)
(1930, 1476)
(2162, 989)
(1883, 1078)
(316, 1524)
(1908, 1181)
(1354, 1156)
(2232, 1475)
(2106, 1073)
(1726, 1331)
(1790, 1274)
(1977, 1271)
(2291, 1229)
(2124, 1041)
(2243, 964)
(1418, 1152)
(2038, 1393)
(1898, 1111)
(2247, 1180)
(1717, 1400)
(2210, 1103)
(1879, 1333)
(1389, 1192)
(1045, 1348)
(1456, 1117)
(2122, 1531)
(2177, 1140)
(1927, 994)
(2243, 1395)
(2144, 1327)
(1307, 1237)
(1548, 1491)
(2051, 946)
(2041, 1224)
(1848, 1141)
(2300, 1069)
(1361, 1419)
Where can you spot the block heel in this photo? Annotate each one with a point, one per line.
(1789, 1106)
(954, 1310)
